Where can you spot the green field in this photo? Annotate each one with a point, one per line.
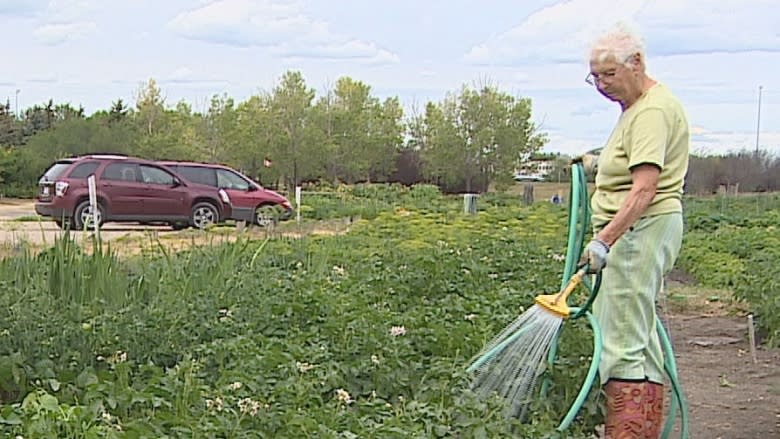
(364, 334)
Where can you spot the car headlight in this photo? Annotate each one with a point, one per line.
(224, 196)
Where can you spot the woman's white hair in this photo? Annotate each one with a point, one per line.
(621, 42)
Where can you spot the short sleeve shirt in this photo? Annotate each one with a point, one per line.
(654, 130)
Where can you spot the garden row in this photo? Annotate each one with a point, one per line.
(733, 243)
(365, 334)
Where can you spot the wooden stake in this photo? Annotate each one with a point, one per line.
(752, 338)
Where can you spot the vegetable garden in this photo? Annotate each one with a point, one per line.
(363, 334)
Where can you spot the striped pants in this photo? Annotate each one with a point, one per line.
(625, 307)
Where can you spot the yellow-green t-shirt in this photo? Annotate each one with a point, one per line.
(653, 130)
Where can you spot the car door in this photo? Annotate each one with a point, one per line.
(120, 183)
(165, 197)
(238, 189)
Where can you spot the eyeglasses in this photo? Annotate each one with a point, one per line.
(594, 78)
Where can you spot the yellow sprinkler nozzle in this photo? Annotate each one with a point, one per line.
(556, 303)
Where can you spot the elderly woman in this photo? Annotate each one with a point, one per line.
(638, 225)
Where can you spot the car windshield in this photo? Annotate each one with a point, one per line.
(55, 171)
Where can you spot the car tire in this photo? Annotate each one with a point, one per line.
(266, 215)
(83, 215)
(204, 215)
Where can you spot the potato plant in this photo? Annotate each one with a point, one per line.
(365, 334)
(734, 244)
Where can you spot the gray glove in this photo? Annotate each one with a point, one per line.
(595, 256)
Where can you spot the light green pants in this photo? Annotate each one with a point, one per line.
(625, 306)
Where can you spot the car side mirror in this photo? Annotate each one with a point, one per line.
(176, 182)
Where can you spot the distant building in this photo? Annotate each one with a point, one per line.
(535, 167)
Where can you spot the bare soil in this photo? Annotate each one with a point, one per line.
(21, 230)
(729, 395)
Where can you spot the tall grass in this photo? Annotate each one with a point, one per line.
(81, 278)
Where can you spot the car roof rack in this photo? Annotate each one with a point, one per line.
(107, 156)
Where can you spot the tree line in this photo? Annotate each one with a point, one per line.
(473, 137)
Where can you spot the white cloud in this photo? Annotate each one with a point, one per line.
(21, 8)
(352, 49)
(53, 34)
(280, 26)
(186, 76)
(61, 11)
(560, 33)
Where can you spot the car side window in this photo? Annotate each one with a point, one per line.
(84, 170)
(231, 180)
(153, 175)
(121, 172)
(197, 174)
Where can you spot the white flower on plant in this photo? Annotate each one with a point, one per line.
(249, 406)
(375, 359)
(224, 314)
(338, 270)
(235, 385)
(344, 397)
(303, 367)
(557, 257)
(106, 416)
(470, 317)
(215, 404)
(396, 331)
(117, 357)
(493, 276)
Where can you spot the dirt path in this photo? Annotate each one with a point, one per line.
(21, 229)
(729, 396)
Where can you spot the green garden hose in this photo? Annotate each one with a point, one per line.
(579, 222)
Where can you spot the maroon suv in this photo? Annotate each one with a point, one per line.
(250, 201)
(128, 189)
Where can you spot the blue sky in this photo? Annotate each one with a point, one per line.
(713, 54)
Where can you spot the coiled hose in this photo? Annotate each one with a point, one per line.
(578, 225)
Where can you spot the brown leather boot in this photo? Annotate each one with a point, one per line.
(654, 410)
(625, 417)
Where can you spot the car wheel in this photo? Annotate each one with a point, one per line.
(204, 215)
(266, 215)
(83, 216)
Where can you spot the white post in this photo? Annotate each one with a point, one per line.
(752, 337)
(93, 203)
(470, 204)
(298, 204)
